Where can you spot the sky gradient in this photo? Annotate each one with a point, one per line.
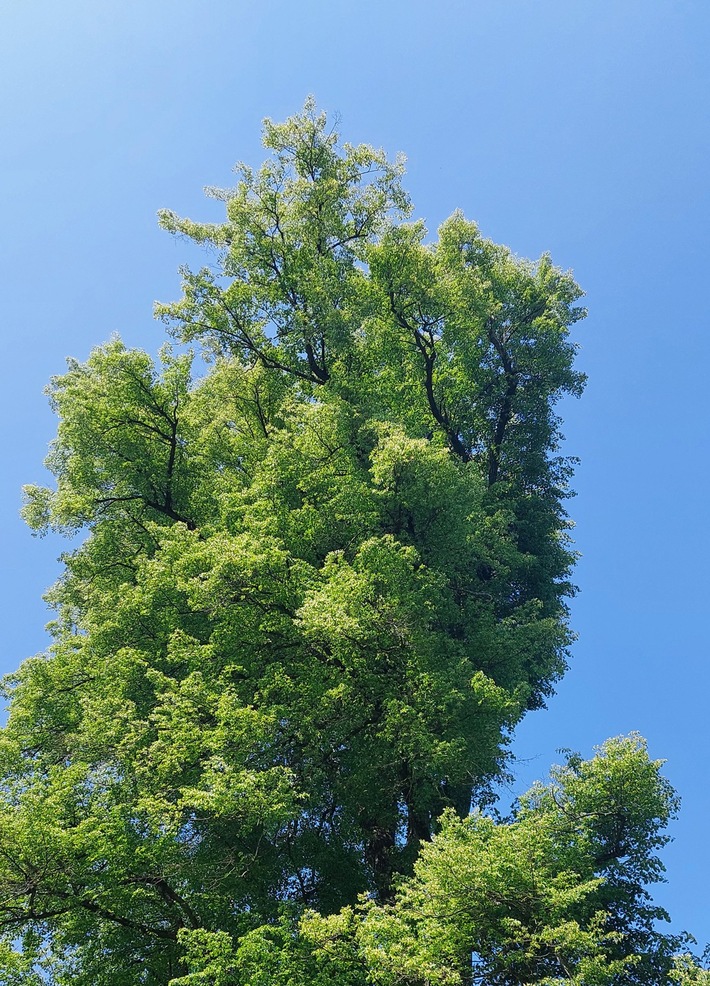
(579, 128)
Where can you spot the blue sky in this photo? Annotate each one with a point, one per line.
(580, 127)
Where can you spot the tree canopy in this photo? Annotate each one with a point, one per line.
(324, 574)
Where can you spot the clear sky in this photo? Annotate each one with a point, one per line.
(581, 128)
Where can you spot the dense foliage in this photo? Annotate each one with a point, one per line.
(320, 583)
(553, 895)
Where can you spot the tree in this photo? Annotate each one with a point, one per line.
(319, 585)
(556, 894)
